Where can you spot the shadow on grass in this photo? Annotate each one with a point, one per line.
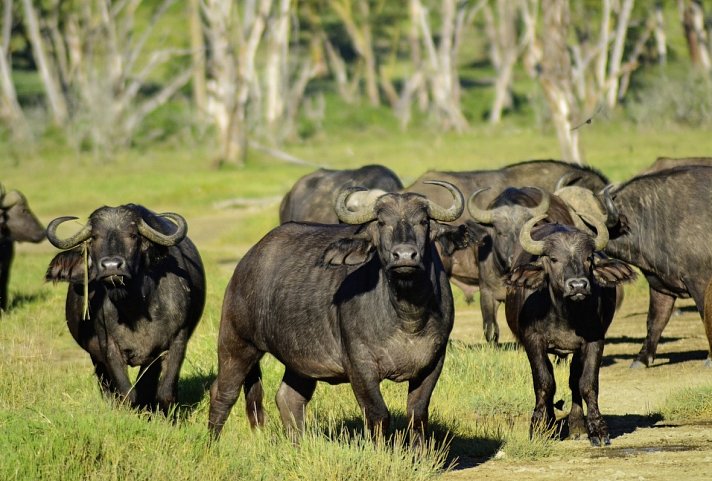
(638, 340)
(660, 359)
(618, 425)
(462, 452)
(19, 300)
(478, 346)
(191, 392)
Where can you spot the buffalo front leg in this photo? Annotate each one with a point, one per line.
(544, 385)
(118, 371)
(659, 311)
(236, 359)
(368, 394)
(588, 385)
(292, 397)
(489, 305)
(147, 384)
(419, 392)
(702, 294)
(171, 364)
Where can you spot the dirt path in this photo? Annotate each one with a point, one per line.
(643, 446)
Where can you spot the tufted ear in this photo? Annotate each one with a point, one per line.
(610, 272)
(67, 266)
(453, 238)
(530, 276)
(349, 251)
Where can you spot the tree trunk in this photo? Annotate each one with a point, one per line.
(197, 47)
(660, 40)
(693, 21)
(276, 68)
(504, 54)
(614, 66)
(556, 76)
(57, 103)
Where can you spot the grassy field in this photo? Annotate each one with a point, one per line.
(55, 424)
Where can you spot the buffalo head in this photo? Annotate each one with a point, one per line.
(504, 217)
(399, 228)
(121, 240)
(17, 222)
(568, 260)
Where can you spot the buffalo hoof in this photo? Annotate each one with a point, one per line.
(708, 363)
(599, 442)
(638, 364)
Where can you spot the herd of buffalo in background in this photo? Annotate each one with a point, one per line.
(354, 285)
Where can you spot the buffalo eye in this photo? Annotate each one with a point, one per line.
(554, 260)
(425, 221)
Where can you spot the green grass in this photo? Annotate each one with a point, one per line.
(56, 425)
(689, 404)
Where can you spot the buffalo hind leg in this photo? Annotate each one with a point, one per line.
(576, 420)
(419, 392)
(659, 311)
(147, 385)
(591, 355)
(292, 397)
(489, 305)
(236, 359)
(703, 300)
(253, 397)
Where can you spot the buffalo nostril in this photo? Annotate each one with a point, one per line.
(578, 284)
(404, 253)
(111, 263)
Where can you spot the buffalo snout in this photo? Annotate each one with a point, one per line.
(405, 255)
(112, 266)
(577, 288)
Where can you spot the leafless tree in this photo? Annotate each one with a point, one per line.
(696, 33)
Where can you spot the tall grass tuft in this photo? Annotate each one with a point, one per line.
(689, 404)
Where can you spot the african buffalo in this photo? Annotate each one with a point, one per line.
(498, 228)
(17, 224)
(662, 223)
(146, 291)
(312, 197)
(561, 299)
(548, 175)
(341, 303)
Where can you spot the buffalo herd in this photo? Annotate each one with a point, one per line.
(353, 286)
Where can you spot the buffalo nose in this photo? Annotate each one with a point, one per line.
(404, 253)
(113, 263)
(579, 284)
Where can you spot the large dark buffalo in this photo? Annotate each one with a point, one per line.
(498, 228)
(548, 175)
(17, 224)
(312, 197)
(561, 300)
(146, 294)
(662, 224)
(341, 303)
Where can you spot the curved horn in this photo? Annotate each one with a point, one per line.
(437, 212)
(567, 179)
(69, 242)
(165, 239)
(525, 237)
(612, 215)
(482, 216)
(366, 214)
(601, 231)
(543, 206)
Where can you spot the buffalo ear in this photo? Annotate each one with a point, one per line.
(453, 237)
(348, 251)
(610, 272)
(530, 276)
(67, 266)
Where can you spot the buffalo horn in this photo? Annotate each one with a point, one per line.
(612, 215)
(69, 242)
(525, 237)
(165, 239)
(543, 206)
(439, 213)
(601, 230)
(9, 199)
(567, 179)
(482, 216)
(347, 216)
